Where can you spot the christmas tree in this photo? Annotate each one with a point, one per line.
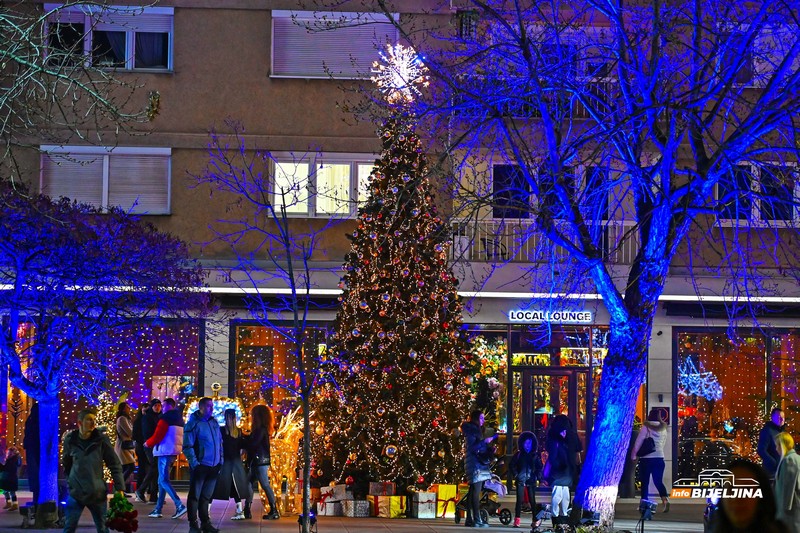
(399, 393)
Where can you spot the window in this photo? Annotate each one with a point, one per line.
(135, 179)
(322, 184)
(309, 44)
(511, 193)
(736, 53)
(113, 36)
(596, 185)
(548, 195)
(764, 193)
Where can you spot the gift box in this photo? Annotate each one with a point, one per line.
(423, 505)
(382, 488)
(387, 506)
(446, 499)
(355, 508)
(329, 508)
(337, 492)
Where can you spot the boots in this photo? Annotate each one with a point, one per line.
(14, 506)
(8, 504)
(247, 513)
(517, 521)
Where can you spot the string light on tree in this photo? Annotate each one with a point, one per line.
(400, 75)
(694, 380)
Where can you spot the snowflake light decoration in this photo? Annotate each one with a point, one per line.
(400, 74)
(692, 380)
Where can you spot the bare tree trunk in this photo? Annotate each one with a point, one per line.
(306, 517)
(47, 510)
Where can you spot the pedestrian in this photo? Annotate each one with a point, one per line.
(85, 451)
(9, 478)
(30, 442)
(124, 445)
(652, 464)
(141, 457)
(233, 482)
(150, 481)
(526, 469)
(166, 445)
(258, 454)
(787, 483)
(478, 453)
(766, 441)
(558, 471)
(748, 515)
(202, 446)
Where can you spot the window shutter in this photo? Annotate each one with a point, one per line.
(345, 52)
(78, 177)
(142, 180)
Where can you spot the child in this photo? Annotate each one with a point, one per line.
(526, 468)
(9, 480)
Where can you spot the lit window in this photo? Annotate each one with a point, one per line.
(765, 193)
(323, 184)
(119, 37)
(307, 44)
(135, 179)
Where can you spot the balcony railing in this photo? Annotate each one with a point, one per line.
(500, 241)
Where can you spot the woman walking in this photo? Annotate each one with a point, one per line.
(559, 469)
(124, 445)
(9, 478)
(651, 464)
(232, 481)
(477, 458)
(526, 469)
(258, 456)
(787, 483)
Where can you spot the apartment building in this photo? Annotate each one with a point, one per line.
(199, 65)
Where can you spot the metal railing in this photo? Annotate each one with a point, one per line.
(498, 241)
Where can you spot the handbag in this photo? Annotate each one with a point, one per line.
(260, 460)
(648, 446)
(128, 445)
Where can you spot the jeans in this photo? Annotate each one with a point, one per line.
(654, 467)
(474, 501)
(521, 487)
(164, 485)
(73, 511)
(150, 481)
(262, 475)
(202, 481)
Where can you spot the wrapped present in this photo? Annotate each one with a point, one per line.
(382, 488)
(355, 508)
(446, 499)
(329, 508)
(387, 506)
(423, 505)
(337, 492)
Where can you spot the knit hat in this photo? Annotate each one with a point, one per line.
(155, 401)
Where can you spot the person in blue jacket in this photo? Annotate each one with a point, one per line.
(202, 446)
(478, 453)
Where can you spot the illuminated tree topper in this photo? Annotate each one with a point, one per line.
(398, 79)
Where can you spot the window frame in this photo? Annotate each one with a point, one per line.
(346, 19)
(105, 154)
(754, 218)
(115, 18)
(314, 162)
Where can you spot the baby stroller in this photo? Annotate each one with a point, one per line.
(490, 504)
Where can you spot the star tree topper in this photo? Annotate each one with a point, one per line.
(399, 77)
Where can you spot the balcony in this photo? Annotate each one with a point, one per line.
(501, 241)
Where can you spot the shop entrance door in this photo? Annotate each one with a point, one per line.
(547, 392)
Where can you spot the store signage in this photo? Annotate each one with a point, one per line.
(538, 315)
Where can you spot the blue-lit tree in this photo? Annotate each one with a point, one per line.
(275, 257)
(70, 276)
(624, 128)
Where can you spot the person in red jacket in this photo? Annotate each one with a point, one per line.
(167, 444)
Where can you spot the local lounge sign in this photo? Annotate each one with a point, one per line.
(561, 316)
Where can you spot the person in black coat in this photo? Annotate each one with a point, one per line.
(478, 453)
(767, 450)
(232, 481)
(526, 469)
(262, 425)
(9, 478)
(560, 468)
(149, 483)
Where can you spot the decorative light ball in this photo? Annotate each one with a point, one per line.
(468, 380)
(363, 304)
(380, 410)
(412, 354)
(445, 470)
(420, 480)
(448, 370)
(415, 299)
(382, 312)
(420, 283)
(405, 272)
(356, 332)
(428, 389)
(397, 233)
(426, 323)
(373, 385)
(386, 297)
(374, 362)
(381, 334)
(390, 451)
(319, 430)
(440, 453)
(349, 480)
(401, 137)
(373, 235)
(352, 456)
(395, 160)
(415, 212)
(412, 408)
(448, 387)
(395, 190)
(438, 247)
(387, 134)
(406, 178)
(429, 357)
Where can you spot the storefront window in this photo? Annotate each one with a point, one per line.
(785, 369)
(722, 387)
(264, 357)
(487, 374)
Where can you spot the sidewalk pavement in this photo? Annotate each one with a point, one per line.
(684, 517)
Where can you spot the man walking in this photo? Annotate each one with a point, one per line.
(167, 443)
(84, 452)
(766, 442)
(150, 480)
(202, 446)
